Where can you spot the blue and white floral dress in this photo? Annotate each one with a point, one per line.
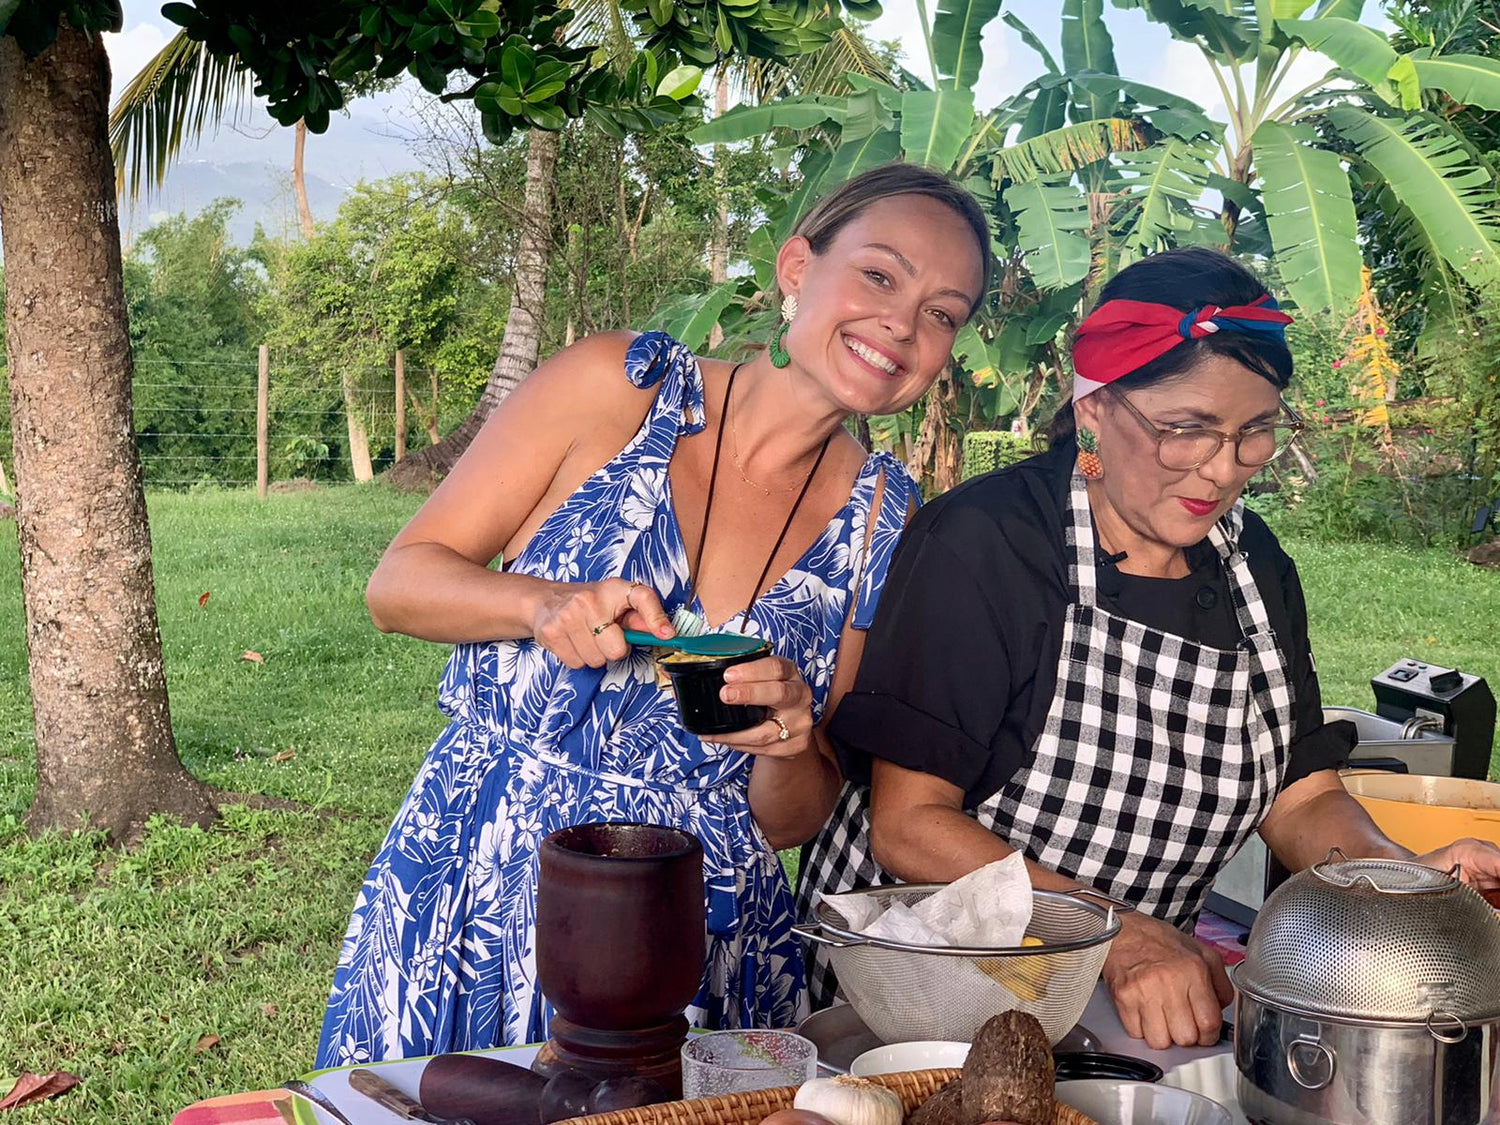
(439, 953)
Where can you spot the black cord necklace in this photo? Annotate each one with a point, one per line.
(708, 507)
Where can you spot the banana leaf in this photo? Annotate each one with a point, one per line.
(1469, 79)
(1087, 45)
(1361, 50)
(853, 157)
(1160, 185)
(935, 124)
(1310, 213)
(1430, 173)
(956, 35)
(1067, 149)
(748, 121)
(1050, 215)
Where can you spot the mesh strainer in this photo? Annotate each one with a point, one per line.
(910, 992)
(1381, 940)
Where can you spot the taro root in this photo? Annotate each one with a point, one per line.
(486, 1091)
(1008, 1075)
(946, 1107)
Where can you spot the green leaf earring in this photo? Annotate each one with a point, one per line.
(780, 357)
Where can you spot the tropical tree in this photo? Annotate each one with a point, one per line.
(104, 749)
(105, 754)
(191, 297)
(383, 276)
(1085, 169)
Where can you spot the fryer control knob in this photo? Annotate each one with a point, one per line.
(1450, 680)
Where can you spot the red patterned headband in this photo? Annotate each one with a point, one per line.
(1121, 336)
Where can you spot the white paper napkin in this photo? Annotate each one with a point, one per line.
(988, 908)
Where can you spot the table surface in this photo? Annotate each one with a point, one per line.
(259, 1107)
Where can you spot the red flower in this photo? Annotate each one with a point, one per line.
(1337, 364)
(1321, 402)
(1380, 331)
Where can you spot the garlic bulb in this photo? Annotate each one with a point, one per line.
(846, 1100)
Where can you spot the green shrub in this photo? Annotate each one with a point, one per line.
(988, 450)
(1416, 492)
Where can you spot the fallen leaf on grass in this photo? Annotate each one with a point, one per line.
(268, 1009)
(253, 656)
(206, 1043)
(285, 756)
(203, 599)
(31, 1088)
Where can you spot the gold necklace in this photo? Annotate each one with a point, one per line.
(734, 450)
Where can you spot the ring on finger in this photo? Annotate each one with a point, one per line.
(786, 731)
(597, 629)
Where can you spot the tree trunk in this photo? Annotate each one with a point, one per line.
(299, 180)
(522, 342)
(359, 437)
(104, 748)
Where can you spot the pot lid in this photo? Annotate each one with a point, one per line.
(1376, 939)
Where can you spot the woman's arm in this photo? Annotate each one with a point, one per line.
(556, 428)
(1317, 813)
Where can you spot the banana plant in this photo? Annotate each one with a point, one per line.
(1085, 170)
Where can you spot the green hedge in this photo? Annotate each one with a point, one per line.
(988, 450)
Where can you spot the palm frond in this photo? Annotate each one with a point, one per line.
(819, 72)
(602, 22)
(180, 91)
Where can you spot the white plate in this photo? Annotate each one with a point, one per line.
(404, 1074)
(1110, 1101)
(1214, 1077)
(920, 1055)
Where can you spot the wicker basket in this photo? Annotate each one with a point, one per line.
(913, 1086)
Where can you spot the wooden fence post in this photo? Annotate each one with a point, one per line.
(400, 404)
(262, 422)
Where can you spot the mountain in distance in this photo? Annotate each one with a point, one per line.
(263, 189)
(251, 160)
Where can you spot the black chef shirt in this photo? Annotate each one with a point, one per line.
(960, 664)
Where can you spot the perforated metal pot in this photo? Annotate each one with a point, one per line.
(1369, 995)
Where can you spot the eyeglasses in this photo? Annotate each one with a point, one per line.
(1180, 448)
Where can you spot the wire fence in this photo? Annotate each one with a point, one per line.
(240, 420)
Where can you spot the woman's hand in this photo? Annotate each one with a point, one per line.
(583, 623)
(1168, 988)
(778, 684)
(1478, 862)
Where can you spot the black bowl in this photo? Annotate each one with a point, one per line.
(1073, 1065)
(697, 683)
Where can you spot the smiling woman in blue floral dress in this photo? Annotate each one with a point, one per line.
(628, 484)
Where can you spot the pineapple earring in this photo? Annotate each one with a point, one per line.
(780, 357)
(1089, 465)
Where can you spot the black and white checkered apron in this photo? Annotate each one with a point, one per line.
(1158, 758)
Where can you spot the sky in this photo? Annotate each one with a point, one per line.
(375, 138)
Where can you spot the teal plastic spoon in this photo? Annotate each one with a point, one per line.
(709, 644)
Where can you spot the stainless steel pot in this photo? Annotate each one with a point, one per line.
(1369, 995)
(1297, 1068)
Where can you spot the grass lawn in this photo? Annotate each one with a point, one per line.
(198, 963)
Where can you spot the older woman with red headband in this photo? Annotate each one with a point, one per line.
(1100, 658)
